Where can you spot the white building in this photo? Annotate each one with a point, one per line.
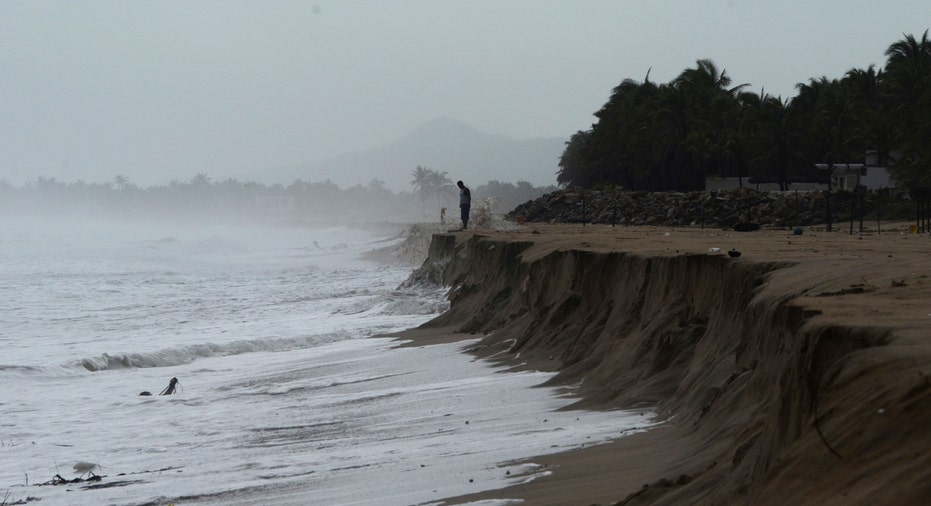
(845, 176)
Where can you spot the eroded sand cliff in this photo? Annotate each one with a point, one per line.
(798, 372)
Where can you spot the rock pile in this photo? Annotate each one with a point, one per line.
(723, 208)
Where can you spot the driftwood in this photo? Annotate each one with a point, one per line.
(58, 480)
(169, 390)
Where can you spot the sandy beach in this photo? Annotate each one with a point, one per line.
(789, 369)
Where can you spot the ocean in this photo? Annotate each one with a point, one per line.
(286, 394)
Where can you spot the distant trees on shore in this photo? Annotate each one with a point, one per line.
(203, 199)
(670, 136)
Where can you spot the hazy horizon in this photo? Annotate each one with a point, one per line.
(156, 91)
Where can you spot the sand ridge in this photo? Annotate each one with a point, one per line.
(796, 372)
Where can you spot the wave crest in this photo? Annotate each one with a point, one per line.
(186, 354)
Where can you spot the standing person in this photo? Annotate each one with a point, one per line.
(465, 202)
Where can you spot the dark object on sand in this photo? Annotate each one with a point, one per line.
(733, 253)
(797, 230)
(169, 390)
(747, 227)
(58, 480)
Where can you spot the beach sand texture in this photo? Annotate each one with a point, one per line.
(796, 373)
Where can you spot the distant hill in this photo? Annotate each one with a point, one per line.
(444, 145)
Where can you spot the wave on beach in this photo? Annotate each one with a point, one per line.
(186, 354)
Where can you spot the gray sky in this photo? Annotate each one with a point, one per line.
(161, 90)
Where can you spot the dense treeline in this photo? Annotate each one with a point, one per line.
(202, 199)
(671, 136)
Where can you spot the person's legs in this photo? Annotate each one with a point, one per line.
(465, 216)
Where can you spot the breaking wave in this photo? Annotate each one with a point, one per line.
(186, 354)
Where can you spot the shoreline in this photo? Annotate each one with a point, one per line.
(769, 365)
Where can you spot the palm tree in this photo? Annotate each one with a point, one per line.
(669, 126)
(872, 126)
(908, 80)
(201, 180)
(908, 66)
(834, 122)
(430, 183)
(613, 152)
(421, 183)
(440, 185)
(573, 163)
(705, 80)
(771, 140)
(122, 182)
(700, 107)
(823, 113)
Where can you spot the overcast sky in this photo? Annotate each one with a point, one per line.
(161, 90)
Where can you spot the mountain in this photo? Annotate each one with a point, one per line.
(444, 145)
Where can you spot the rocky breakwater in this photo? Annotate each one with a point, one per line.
(795, 374)
(724, 208)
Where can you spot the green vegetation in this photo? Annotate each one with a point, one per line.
(663, 137)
